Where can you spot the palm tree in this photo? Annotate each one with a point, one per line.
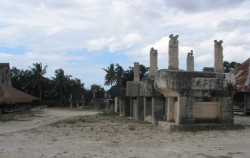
(60, 82)
(37, 72)
(110, 77)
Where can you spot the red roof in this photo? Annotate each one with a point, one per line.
(242, 75)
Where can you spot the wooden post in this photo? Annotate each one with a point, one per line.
(245, 104)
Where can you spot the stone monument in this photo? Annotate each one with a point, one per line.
(218, 56)
(136, 71)
(190, 61)
(173, 51)
(153, 62)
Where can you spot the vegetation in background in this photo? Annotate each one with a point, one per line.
(127, 75)
(55, 91)
(229, 66)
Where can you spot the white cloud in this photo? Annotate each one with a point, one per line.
(98, 44)
(52, 31)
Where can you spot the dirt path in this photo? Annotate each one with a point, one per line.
(96, 136)
(40, 117)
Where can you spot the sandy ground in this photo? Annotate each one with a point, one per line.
(85, 135)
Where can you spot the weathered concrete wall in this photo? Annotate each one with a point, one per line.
(147, 88)
(133, 88)
(206, 112)
(186, 86)
(182, 83)
(159, 109)
(226, 110)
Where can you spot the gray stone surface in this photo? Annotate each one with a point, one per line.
(153, 62)
(218, 56)
(184, 88)
(133, 89)
(147, 88)
(173, 52)
(181, 83)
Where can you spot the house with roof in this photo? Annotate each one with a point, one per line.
(241, 99)
(12, 99)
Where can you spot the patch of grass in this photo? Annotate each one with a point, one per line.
(131, 127)
(71, 121)
(6, 118)
(82, 119)
(108, 114)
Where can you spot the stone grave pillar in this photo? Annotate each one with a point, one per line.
(153, 62)
(218, 56)
(190, 61)
(173, 51)
(136, 71)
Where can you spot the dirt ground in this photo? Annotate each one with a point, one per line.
(58, 133)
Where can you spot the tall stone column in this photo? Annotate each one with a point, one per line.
(153, 109)
(131, 107)
(190, 61)
(116, 104)
(153, 62)
(144, 107)
(173, 52)
(218, 56)
(136, 71)
(170, 110)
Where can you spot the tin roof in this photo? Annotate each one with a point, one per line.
(242, 76)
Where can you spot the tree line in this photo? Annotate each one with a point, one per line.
(126, 75)
(55, 91)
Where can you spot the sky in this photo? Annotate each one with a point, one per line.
(84, 36)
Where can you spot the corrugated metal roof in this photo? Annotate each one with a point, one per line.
(242, 75)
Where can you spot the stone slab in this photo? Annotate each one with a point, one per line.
(133, 88)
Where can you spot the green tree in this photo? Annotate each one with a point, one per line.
(60, 81)
(110, 77)
(37, 72)
(229, 66)
(99, 90)
(75, 88)
(128, 75)
(21, 80)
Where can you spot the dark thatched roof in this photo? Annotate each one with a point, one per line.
(10, 95)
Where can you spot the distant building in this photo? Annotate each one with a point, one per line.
(208, 69)
(241, 99)
(12, 99)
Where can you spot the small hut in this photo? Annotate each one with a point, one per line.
(241, 99)
(12, 100)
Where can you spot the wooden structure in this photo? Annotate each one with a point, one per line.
(11, 99)
(241, 99)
